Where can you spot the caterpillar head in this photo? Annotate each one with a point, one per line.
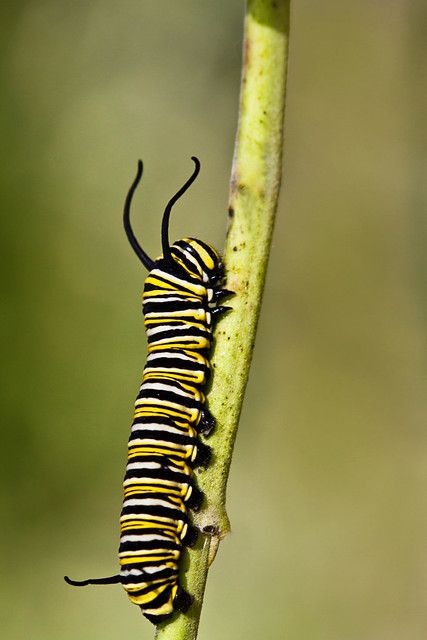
(199, 260)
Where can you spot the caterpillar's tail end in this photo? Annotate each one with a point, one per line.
(155, 619)
(182, 602)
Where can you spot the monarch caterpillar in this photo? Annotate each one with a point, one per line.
(180, 305)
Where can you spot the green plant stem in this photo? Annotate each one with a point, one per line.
(254, 192)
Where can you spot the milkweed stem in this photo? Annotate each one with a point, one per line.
(254, 191)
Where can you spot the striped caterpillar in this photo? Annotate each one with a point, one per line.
(180, 306)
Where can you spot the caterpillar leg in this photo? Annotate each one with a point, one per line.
(195, 500)
(190, 537)
(220, 294)
(206, 423)
(218, 312)
(203, 455)
(182, 601)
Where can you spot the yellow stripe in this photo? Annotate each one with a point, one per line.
(167, 374)
(204, 255)
(144, 524)
(154, 558)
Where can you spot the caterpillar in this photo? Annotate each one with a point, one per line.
(181, 303)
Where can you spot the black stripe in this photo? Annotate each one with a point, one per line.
(158, 474)
(179, 327)
(144, 545)
(161, 512)
(186, 401)
(157, 420)
(166, 420)
(185, 332)
(143, 494)
(175, 363)
(157, 306)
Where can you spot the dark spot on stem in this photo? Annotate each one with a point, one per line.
(210, 529)
(247, 51)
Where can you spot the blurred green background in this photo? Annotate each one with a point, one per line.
(325, 493)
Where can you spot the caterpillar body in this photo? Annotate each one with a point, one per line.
(180, 306)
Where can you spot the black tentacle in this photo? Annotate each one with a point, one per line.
(82, 583)
(145, 259)
(166, 215)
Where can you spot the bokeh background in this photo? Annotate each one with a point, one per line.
(326, 488)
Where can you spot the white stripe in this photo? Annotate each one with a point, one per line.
(150, 502)
(125, 573)
(143, 465)
(190, 258)
(169, 354)
(145, 538)
(163, 386)
(172, 298)
(168, 327)
(153, 426)
(131, 572)
(152, 570)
